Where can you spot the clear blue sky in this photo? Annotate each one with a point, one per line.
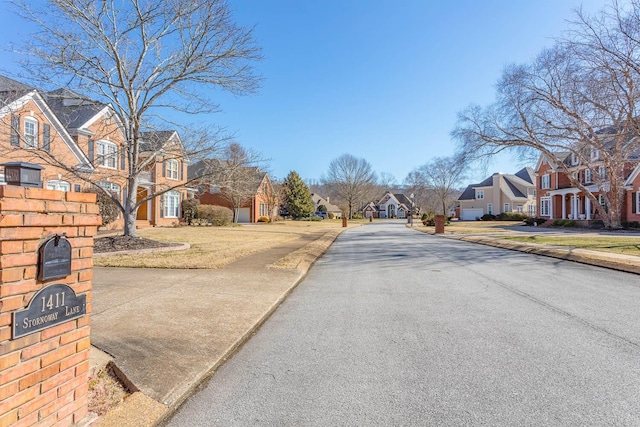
(377, 79)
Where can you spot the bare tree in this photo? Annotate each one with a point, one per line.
(579, 99)
(387, 181)
(351, 179)
(141, 57)
(437, 181)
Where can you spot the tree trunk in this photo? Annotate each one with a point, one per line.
(130, 209)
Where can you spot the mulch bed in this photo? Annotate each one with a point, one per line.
(125, 243)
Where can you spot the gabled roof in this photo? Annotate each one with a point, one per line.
(73, 110)
(319, 200)
(527, 174)
(158, 140)
(524, 177)
(11, 90)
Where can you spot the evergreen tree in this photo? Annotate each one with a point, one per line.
(297, 196)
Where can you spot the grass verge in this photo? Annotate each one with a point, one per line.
(215, 247)
(620, 245)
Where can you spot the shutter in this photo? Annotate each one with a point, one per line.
(91, 150)
(124, 196)
(164, 168)
(162, 206)
(15, 127)
(634, 202)
(46, 137)
(123, 159)
(180, 169)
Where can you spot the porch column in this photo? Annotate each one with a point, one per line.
(574, 208)
(564, 206)
(551, 207)
(587, 207)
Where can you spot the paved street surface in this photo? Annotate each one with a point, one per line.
(396, 327)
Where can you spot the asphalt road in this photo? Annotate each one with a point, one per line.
(396, 327)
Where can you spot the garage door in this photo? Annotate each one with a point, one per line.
(243, 215)
(471, 214)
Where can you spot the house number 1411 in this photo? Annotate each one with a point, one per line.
(50, 304)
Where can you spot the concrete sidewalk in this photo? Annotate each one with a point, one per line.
(167, 330)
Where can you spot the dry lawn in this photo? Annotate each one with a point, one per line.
(215, 247)
(620, 245)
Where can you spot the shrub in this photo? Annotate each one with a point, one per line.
(108, 208)
(564, 223)
(190, 209)
(511, 216)
(357, 216)
(309, 218)
(488, 217)
(631, 224)
(429, 221)
(331, 215)
(534, 221)
(216, 215)
(424, 216)
(264, 219)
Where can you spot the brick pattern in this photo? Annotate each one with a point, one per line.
(44, 375)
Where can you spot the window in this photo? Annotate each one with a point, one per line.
(489, 208)
(77, 188)
(57, 184)
(172, 169)
(110, 187)
(533, 192)
(545, 181)
(519, 208)
(531, 210)
(595, 153)
(637, 201)
(479, 194)
(506, 207)
(574, 159)
(107, 154)
(602, 172)
(30, 133)
(172, 204)
(587, 176)
(601, 200)
(545, 205)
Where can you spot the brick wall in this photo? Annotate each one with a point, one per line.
(44, 375)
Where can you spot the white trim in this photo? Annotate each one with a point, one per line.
(31, 143)
(101, 158)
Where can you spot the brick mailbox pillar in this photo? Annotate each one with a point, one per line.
(45, 303)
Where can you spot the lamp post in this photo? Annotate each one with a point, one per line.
(411, 213)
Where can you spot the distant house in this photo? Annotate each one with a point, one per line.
(500, 193)
(254, 200)
(389, 206)
(320, 201)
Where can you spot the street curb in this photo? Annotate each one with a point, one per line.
(582, 256)
(237, 345)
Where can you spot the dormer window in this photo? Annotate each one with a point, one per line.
(574, 159)
(595, 154)
(30, 133)
(107, 154)
(172, 169)
(479, 194)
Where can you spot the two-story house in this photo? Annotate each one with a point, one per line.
(80, 143)
(559, 198)
(500, 193)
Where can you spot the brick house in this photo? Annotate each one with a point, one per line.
(559, 199)
(258, 201)
(62, 127)
(500, 193)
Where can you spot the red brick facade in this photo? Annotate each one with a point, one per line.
(43, 375)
